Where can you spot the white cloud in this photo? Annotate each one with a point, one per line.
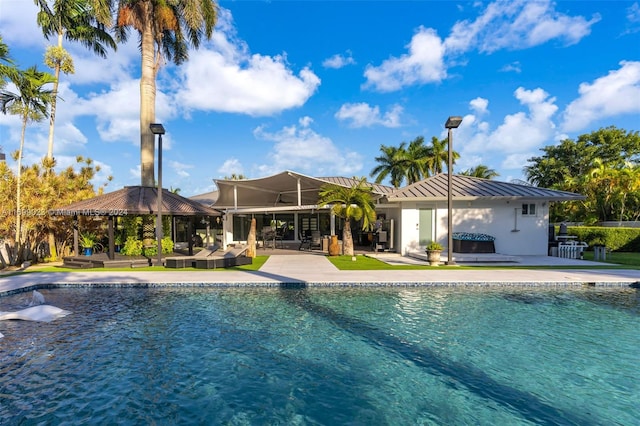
(519, 135)
(180, 168)
(339, 61)
(633, 18)
(231, 166)
(512, 67)
(19, 27)
(422, 64)
(615, 94)
(479, 105)
(302, 149)
(224, 77)
(363, 115)
(517, 25)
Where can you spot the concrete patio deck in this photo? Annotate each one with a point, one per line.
(314, 269)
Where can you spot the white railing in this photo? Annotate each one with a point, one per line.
(571, 249)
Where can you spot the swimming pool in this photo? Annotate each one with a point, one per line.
(325, 356)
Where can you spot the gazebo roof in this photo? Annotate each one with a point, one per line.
(135, 200)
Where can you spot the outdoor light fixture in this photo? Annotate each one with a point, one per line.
(158, 129)
(452, 123)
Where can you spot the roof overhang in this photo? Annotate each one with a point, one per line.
(135, 200)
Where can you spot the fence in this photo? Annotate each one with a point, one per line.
(571, 250)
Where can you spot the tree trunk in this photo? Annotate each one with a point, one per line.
(19, 186)
(347, 239)
(52, 115)
(251, 239)
(147, 102)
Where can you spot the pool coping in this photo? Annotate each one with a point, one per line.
(282, 271)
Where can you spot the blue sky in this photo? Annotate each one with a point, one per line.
(318, 86)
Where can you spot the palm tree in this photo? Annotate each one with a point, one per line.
(75, 20)
(354, 202)
(416, 159)
(165, 29)
(390, 163)
(7, 66)
(438, 156)
(30, 102)
(481, 171)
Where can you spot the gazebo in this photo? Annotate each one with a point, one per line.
(132, 201)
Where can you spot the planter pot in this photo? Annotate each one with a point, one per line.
(334, 247)
(433, 256)
(88, 251)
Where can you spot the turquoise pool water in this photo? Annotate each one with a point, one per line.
(396, 356)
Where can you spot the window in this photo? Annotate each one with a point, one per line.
(529, 209)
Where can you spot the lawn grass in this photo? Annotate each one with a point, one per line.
(366, 263)
(621, 258)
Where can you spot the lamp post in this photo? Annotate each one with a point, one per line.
(452, 123)
(158, 129)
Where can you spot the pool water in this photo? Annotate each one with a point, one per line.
(434, 356)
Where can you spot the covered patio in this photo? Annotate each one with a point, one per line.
(130, 201)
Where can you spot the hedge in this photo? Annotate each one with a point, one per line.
(616, 239)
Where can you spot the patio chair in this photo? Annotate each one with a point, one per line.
(305, 240)
(316, 240)
(189, 261)
(234, 256)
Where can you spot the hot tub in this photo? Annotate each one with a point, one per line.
(472, 242)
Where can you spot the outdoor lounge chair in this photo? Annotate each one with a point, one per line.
(305, 240)
(235, 256)
(189, 261)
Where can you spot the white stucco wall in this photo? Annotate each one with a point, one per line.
(528, 235)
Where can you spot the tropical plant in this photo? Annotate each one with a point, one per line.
(413, 162)
(30, 103)
(438, 156)
(132, 247)
(481, 171)
(390, 164)
(83, 21)
(416, 158)
(87, 240)
(601, 165)
(434, 246)
(354, 202)
(8, 69)
(165, 29)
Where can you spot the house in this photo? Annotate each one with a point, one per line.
(515, 215)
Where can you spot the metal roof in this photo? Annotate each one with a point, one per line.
(135, 200)
(435, 188)
(281, 190)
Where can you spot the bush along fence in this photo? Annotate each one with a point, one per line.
(615, 239)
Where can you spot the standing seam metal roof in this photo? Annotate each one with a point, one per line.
(468, 187)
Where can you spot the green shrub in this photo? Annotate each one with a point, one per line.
(132, 247)
(616, 239)
(167, 245)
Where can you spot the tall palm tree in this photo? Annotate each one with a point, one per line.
(390, 163)
(7, 66)
(438, 156)
(30, 103)
(75, 20)
(354, 202)
(165, 29)
(481, 171)
(416, 159)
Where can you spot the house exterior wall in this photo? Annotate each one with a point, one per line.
(515, 234)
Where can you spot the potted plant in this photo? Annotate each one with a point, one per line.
(117, 242)
(87, 241)
(433, 250)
